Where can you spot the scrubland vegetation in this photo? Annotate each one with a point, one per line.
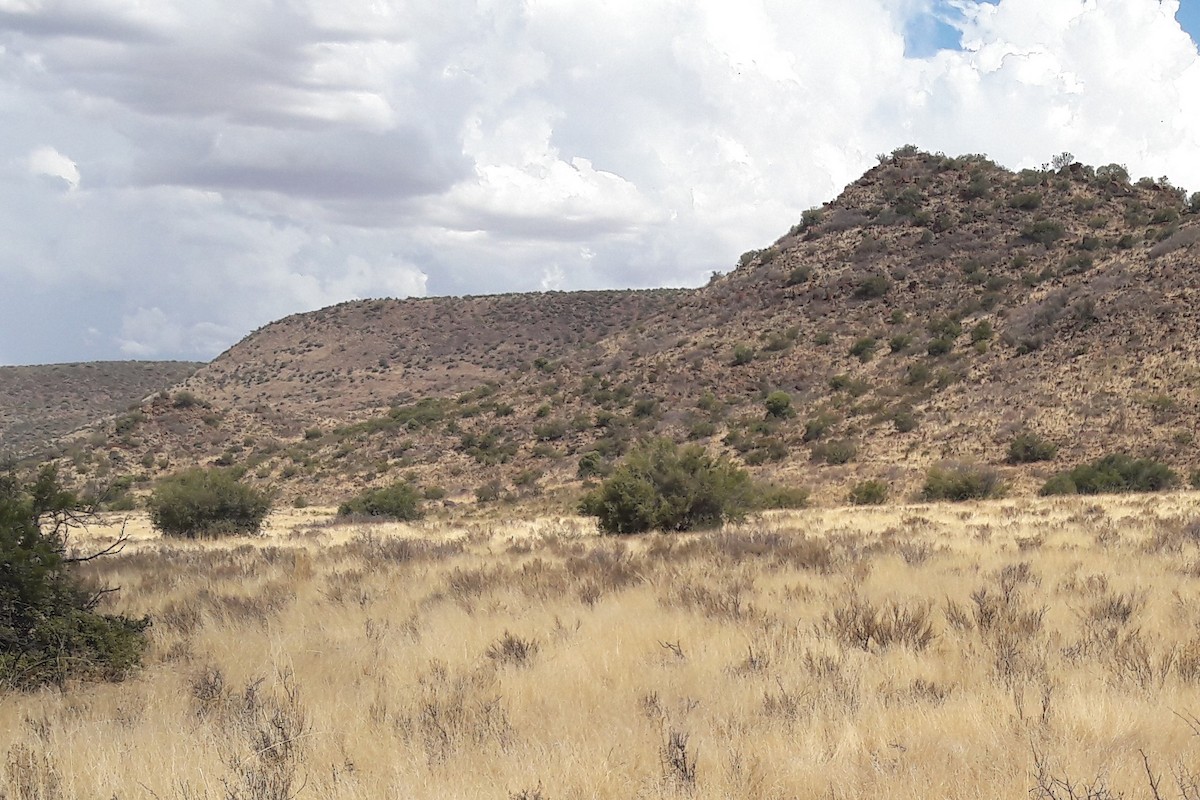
(1042, 648)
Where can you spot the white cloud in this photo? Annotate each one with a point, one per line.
(49, 162)
(244, 162)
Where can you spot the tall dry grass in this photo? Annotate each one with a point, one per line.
(1006, 649)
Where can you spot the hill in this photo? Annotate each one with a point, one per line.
(42, 403)
(936, 310)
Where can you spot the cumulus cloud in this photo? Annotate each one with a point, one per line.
(232, 164)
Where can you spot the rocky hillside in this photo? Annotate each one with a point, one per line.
(936, 310)
(40, 404)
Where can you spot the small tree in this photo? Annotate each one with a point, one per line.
(661, 486)
(50, 630)
(400, 500)
(207, 502)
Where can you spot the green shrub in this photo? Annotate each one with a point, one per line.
(742, 354)
(1114, 473)
(591, 465)
(839, 451)
(1044, 231)
(661, 486)
(207, 502)
(489, 492)
(1195, 477)
(863, 349)
(400, 500)
(1027, 201)
(904, 421)
(779, 404)
(900, 342)
(818, 426)
(869, 493)
(798, 276)
(873, 286)
(982, 331)
(1028, 448)
(50, 630)
(961, 482)
(939, 347)
(770, 497)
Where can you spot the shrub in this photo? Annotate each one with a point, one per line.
(779, 404)
(661, 486)
(742, 354)
(400, 500)
(1195, 477)
(817, 427)
(207, 502)
(840, 451)
(982, 331)
(1044, 231)
(863, 349)
(772, 497)
(1028, 448)
(1114, 473)
(798, 276)
(868, 493)
(489, 492)
(591, 465)
(50, 630)
(873, 287)
(939, 347)
(900, 342)
(961, 482)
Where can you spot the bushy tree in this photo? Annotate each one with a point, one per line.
(661, 486)
(207, 502)
(400, 500)
(50, 630)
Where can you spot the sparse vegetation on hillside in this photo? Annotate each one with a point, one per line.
(935, 304)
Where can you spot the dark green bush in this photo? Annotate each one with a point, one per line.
(798, 276)
(1114, 473)
(1028, 448)
(50, 630)
(961, 482)
(591, 465)
(869, 493)
(840, 451)
(1044, 231)
(779, 404)
(872, 287)
(1195, 477)
(818, 426)
(661, 486)
(939, 347)
(207, 502)
(742, 354)
(863, 349)
(400, 500)
(770, 496)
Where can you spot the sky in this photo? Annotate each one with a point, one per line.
(177, 173)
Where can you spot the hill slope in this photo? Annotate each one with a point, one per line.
(39, 404)
(935, 310)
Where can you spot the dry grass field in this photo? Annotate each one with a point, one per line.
(1017, 648)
